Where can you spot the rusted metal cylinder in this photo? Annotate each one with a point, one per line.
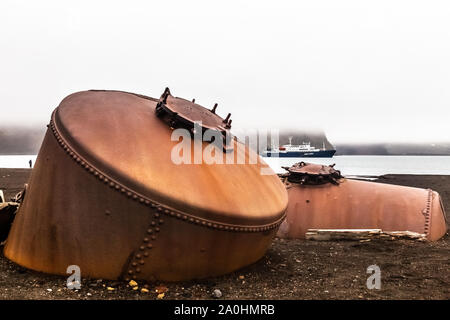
(353, 204)
(105, 195)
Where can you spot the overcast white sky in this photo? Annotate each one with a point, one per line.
(363, 71)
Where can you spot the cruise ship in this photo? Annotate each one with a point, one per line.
(303, 150)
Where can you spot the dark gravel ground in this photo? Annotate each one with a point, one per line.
(291, 269)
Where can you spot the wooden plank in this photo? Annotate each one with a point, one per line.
(340, 234)
(360, 234)
(406, 235)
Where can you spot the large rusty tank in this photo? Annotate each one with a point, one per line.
(320, 198)
(105, 194)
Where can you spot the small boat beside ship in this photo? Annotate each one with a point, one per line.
(304, 150)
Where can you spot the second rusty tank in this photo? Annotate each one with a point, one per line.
(320, 198)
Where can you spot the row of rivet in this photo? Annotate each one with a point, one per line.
(427, 212)
(138, 259)
(168, 211)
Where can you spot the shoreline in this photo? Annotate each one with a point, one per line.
(291, 269)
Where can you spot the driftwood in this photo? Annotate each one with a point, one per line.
(7, 213)
(361, 234)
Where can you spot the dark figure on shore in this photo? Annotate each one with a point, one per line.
(30, 163)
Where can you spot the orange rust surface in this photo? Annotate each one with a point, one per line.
(362, 205)
(105, 195)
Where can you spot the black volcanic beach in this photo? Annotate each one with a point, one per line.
(291, 269)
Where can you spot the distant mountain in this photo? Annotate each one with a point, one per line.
(317, 139)
(27, 140)
(24, 140)
(394, 149)
(21, 140)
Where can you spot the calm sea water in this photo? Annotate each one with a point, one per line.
(374, 165)
(16, 161)
(348, 165)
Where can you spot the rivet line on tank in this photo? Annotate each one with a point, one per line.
(160, 208)
(139, 259)
(427, 213)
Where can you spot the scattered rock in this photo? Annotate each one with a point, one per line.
(49, 290)
(160, 296)
(241, 277)
(110, 289)
(161, 289)
(269, 280)
(133, 283)
(143, 290)
(217, 293)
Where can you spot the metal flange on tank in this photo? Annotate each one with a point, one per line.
(312, 174)
(181, 113)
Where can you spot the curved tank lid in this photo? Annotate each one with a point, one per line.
(184, 113)
(181, 113)
(119, 136)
